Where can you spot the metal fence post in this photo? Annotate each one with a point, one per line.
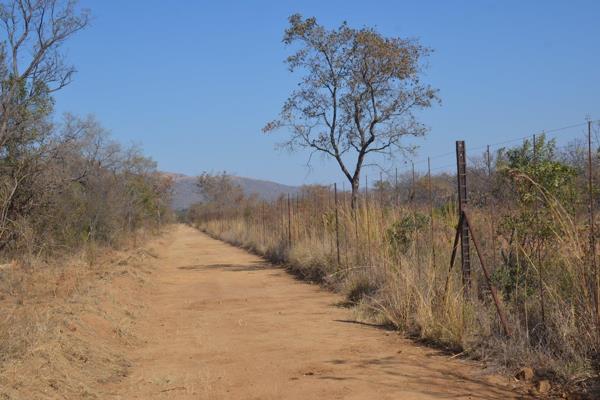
(491, 207)
(431, 212)
(289, 210)
(540, 267)
(461, 161)
(396, 189)
(592, 230)
(337, 224)
(368, 223)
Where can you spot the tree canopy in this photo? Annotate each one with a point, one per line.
(358, 93)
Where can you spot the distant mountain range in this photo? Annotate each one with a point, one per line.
(186, 192)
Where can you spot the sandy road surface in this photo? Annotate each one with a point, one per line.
(222, 324)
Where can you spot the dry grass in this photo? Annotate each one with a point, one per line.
(65, 321)
(398, 282)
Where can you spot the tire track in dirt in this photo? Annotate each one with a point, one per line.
(224, 324)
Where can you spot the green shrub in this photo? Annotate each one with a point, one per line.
(401, 234)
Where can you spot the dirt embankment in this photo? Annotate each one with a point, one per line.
(67, 328)
(199, 319)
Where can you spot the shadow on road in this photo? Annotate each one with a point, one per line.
(253, 266)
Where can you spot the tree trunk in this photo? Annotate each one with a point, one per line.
(355, 184)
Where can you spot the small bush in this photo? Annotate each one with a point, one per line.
(400, 235)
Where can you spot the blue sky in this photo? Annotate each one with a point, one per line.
(193, 82)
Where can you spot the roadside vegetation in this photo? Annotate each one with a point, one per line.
(394, 254)
(388, 246)
(69, 196)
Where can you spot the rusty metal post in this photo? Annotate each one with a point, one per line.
(281, 217)
(540, 267)
(358, 253)
(412, 189)
(289, 210)
(368, 222)
(263, 223)
(381, 196)
(337, 224)
(461, 161)
(453, 256)
(486, 273)
(431, 212)
(413, 209)
(344, 205)
(592, 232)
(491, 208)
(396, 189)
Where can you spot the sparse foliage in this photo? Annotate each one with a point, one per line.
(358, 94)
(32, 65)
(61, 184)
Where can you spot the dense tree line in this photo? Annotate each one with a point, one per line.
(63, 182)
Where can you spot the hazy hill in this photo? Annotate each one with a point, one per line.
(186, 193)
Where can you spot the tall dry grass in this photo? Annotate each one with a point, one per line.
(64, 320)
(394, 262)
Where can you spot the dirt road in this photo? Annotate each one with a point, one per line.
(223, 324)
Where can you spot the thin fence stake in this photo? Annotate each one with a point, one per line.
(381, 196)
(431, 211)
(261, 223)
(337, 224)
(453, 256)
(289, 210)
(367, 220)
(358, 246)
(397, 203)
(396, 188)
(592, 230)
(503, 319)
(345, 209)
(412, 189)
(491, 208)
(414, 215)
(539, 257)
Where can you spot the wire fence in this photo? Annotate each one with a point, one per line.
(528, 208)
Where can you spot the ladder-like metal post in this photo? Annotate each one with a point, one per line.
(461, 162)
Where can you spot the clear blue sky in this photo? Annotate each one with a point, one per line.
(193, 82)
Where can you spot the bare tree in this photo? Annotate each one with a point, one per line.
(31, 63)
(358, 94)
(32, 67)
(62, 185)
